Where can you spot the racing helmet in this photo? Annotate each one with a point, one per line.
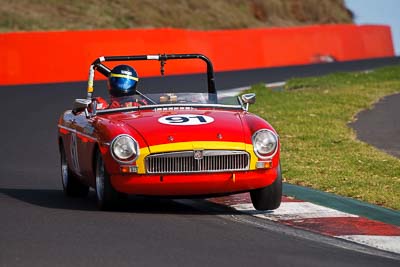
(122, 81)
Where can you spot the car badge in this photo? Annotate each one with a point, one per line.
(198, 154)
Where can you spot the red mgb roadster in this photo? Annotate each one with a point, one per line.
(174, 144)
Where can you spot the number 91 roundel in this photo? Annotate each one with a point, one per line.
(185, 119)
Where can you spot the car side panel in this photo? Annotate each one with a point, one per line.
(66, 123)
(86, 142)
(76, 133)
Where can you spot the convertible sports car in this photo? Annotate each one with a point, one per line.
(175, 145)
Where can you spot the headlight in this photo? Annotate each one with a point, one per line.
(124, 148)
(265, 143)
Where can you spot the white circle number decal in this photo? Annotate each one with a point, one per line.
(185, 119)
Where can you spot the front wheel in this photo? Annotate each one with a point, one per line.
(71, 185)
(106, 195)
(269, 197)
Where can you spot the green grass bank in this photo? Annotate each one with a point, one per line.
(319, 149)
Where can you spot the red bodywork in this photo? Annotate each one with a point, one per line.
(231, 129)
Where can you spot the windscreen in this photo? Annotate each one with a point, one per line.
(165, 99)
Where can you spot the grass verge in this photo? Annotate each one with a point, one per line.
(319, 150)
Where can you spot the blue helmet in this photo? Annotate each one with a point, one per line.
(122, 81)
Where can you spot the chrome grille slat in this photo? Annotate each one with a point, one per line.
(184, 162)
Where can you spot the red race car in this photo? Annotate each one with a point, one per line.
(172, 144)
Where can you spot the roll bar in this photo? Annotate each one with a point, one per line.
(97, 65)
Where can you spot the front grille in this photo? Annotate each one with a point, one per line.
(207, 161)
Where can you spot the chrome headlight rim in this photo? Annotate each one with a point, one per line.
(130, 159)
(273, 152)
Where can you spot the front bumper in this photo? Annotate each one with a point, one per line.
(194, 183)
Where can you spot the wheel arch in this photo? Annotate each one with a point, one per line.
(60, 143)
(96, 150)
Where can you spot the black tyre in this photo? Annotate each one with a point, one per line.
(269, 197)
(72, 187)
(107, 196)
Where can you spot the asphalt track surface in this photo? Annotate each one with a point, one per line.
(41, 227)
(380, 126)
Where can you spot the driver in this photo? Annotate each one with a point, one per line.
(122, 83)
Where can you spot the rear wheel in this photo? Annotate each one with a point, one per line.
(71, 185)
(106, 195)
(269, 197)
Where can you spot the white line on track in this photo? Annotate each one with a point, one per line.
(388, 243)
(235, 91)
(293, 211)
(307, 210)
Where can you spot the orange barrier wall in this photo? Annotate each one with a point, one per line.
(43, 57)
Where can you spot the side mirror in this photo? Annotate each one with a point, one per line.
(248, 99)
(80, 105)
